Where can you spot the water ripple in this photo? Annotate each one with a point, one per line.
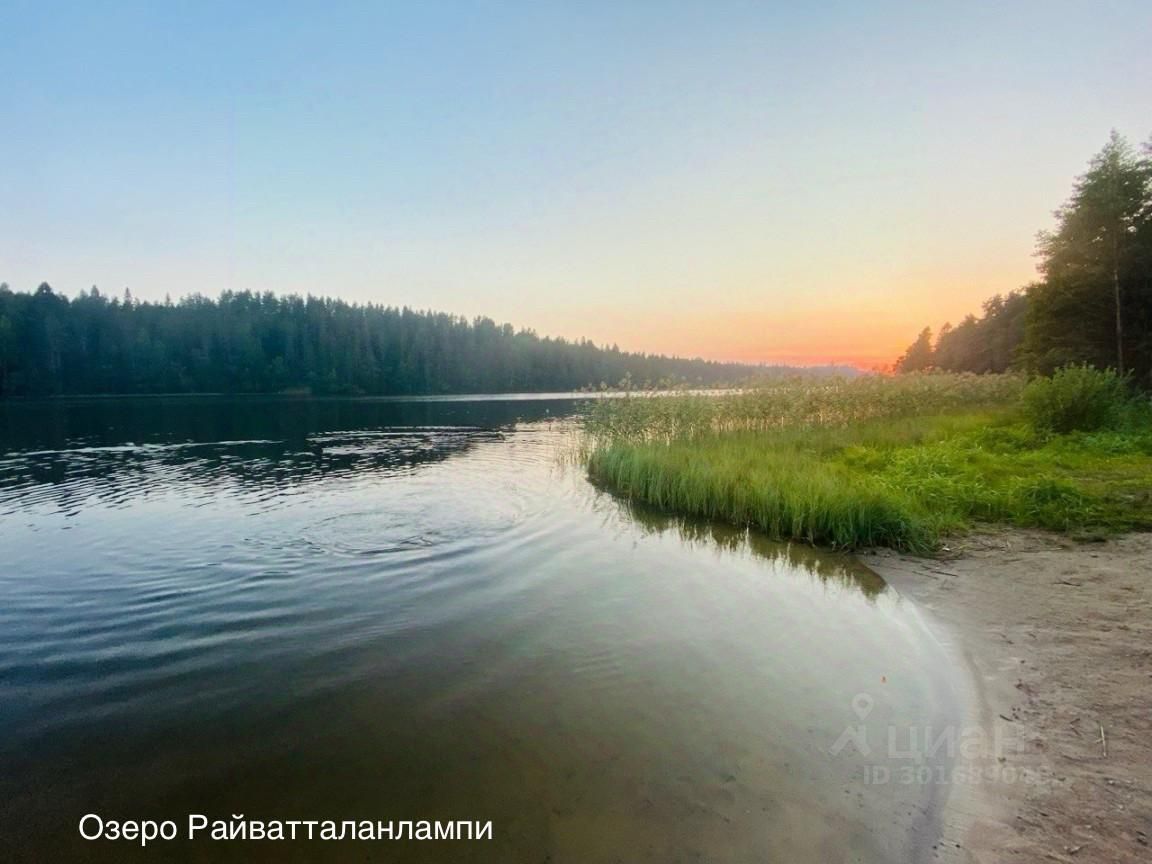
(315, 613)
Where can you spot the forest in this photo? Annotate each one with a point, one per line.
(1093, 301)
(242, 342)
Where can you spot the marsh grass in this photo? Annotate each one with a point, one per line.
(796, 403)
(896, 462)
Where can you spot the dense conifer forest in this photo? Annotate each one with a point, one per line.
(261, 343)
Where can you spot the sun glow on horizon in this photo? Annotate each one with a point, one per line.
(763, 184)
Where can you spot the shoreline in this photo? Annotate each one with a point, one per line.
(1056, 641)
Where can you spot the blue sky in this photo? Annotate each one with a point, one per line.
(739, 180)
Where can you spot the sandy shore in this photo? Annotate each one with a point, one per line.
(1057, 638)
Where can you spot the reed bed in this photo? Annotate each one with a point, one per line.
(873, 461)
(796, 403)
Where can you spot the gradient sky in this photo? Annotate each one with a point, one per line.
(753, 181)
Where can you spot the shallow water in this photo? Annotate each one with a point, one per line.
(404, 610)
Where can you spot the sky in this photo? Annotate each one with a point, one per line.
(777, 182)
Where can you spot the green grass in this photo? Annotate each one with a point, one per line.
(902, 480)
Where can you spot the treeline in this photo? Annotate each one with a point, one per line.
(249, 343)
(1093, 302)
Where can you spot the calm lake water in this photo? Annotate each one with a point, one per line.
(385, 610)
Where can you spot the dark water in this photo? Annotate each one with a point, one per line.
(350, 609)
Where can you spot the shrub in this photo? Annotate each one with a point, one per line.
(1076, 399)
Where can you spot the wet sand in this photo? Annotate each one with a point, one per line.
(1057, 639)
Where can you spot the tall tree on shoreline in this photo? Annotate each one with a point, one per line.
(1093, 303)
(985, 344)
(1092, 263)
(918, 357)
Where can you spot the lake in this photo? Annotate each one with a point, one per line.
(403, 610)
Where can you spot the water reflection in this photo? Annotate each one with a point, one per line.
(359, 609)
(68, 479)
(68, 453)
(68, 424)
(701, 533)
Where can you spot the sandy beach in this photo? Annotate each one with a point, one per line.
(1057, 639)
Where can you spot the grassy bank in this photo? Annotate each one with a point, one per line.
(895, 462)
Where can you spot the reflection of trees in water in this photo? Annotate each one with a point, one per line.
(70, 479)
(60, 425)
(822, 564)
(70, 453)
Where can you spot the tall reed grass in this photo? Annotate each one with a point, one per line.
(801, 402)
(873, 461)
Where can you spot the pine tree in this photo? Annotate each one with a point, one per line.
(919, 355)
(1094, 296)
